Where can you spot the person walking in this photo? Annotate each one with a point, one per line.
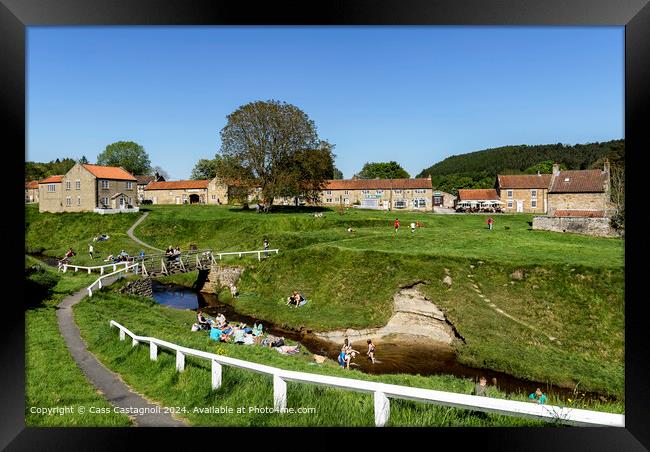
(91, 250)
(266, 247)
(490, 222)
(396, 224)
(412, 228)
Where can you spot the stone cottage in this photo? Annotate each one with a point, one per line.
(89, 188)
(583, 190)
(31, 191)
(523, 192)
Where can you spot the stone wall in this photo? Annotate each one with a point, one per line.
(142, 287)
(221, 276)
(577, 201)
(598, 227)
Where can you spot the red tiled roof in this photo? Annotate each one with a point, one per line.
(32, 184)
(478, 194)
(579, 213)
(177, 185)
(524, 181)
(52, 179)
(373, 184)
(581, 181)
(109, 172)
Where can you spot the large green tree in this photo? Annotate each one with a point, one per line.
(204, 169)
(383, 170)
(337, 173)
(127, 154)
(274, 145)
(38, 170)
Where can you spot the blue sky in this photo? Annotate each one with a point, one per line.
(411, 94)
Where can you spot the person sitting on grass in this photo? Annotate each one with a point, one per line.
(109, 258)
(203, 322)
(538, 396)
(220, 319)
(480, 389)
(215, 333)
(295, 298)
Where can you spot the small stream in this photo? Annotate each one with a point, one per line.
(394, 357)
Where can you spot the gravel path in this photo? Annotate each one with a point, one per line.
(135, 239)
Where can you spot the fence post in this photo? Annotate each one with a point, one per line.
(101, 270)
(382, 409)
(216, 375)
(134, 342)
(114, 267)
(89, 270)
(259, 256)
(76, 269)
(122, 334)
(65, 268)
(153, 351)
(100, 283)
(90, 292)
(279, 393)
(180, 361)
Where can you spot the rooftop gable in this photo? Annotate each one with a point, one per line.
(478, 194)
(177, 185)
(524, 181)
(57, 179)
(377, 184)
(109, 172)
(580, 181)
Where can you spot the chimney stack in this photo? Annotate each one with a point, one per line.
(606, 166)
(556, 169)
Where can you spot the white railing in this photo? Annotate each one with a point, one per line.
(381, 391)
(64, 267)
(240, 253)
(98, 281)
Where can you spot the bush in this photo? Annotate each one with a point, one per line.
(146, 202)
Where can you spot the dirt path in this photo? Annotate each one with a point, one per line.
(109, 384)
(137, 240)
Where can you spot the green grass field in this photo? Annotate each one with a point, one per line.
(191, 388)
(573, 289)
(52, 378)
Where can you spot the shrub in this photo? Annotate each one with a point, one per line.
(39, 284)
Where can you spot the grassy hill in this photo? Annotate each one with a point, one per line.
(478, 169)
(573, 288)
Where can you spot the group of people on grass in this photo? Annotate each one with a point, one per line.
(348, 353)
(239, 333)
(481, 388)
(296, 299)
(123, 256)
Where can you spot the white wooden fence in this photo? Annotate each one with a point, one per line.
(382, 392)
(240, 253)
(98, 281)
(64, 267)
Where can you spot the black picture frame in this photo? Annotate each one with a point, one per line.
(16, 15)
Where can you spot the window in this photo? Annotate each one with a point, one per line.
(328, 200)
(214, 196)
(105, 201)
(533, 203)
(509, 193)
(328, 192)
(346, 201)
(533, 193)
(104, 184)
(78, 200)
(400, 204)
(510, 204)
(51, 187)
(420, 190)
(346, 192)
(68, 201)
(129, 185)
(68, 185)
(379, 192)
(398, 191)
(130, 203)
(419, 202)
(365, 192)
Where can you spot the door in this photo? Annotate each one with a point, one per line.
(122, 204)
(178, 200)
(520, 206)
